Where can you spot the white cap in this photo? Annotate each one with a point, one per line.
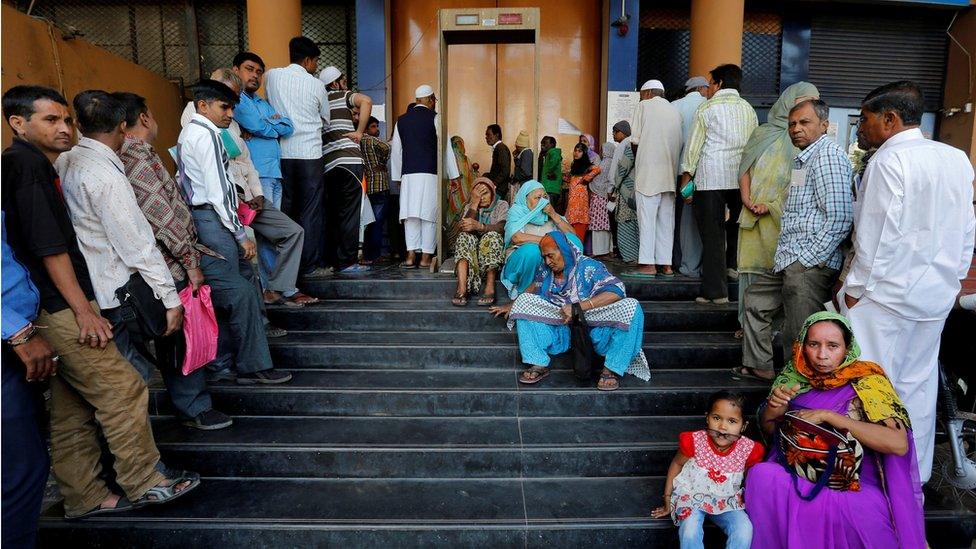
(329, 75)
(423, 91)
(652, 85)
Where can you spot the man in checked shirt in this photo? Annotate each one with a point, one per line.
(817, 217)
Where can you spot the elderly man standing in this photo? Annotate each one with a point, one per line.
(295, 93)
(817, 217)
(656, 138)
(413, 162)
(343, 170)
(688, 246)
(912, 245)
(524, 161)
(722, 128)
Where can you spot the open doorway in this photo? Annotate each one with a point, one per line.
(489, 73)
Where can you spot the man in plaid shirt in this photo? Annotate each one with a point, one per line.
(817, 217)
(376, 155)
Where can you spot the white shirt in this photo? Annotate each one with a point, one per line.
(914, 227)
(296, 94)
(242, 170)
(112, 231)
(687, 106)
(656, 130)
(203, 166)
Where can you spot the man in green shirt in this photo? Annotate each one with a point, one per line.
(551, 170)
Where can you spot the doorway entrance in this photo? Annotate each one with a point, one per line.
(489, 73)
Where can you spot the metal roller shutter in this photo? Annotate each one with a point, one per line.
(852, 54)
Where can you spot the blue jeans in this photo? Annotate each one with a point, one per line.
(187, 393)
(373, 241)
(735, 524)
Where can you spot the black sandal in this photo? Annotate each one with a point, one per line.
(487, 300)
(540, 374)
(123, 506)
(460, 300)
(741, 373)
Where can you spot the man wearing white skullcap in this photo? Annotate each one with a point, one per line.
(343, 170)
(413, 162)
(655, 133)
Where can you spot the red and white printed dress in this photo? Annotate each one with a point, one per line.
(711, 481)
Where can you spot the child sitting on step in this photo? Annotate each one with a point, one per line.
(706, 474)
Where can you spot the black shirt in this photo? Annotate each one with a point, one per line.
(37, 220)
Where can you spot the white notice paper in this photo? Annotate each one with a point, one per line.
(567, 127)
(620, 106)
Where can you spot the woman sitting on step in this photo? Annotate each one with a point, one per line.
(529, 219)
(848, 480)
(478, 248)
(616, 322)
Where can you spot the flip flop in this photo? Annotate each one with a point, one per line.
(666, 275)
(742, 373)
(639, 274)
(165, 494)
(543, 373)
(487, 300)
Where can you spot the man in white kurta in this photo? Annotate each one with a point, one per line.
(656, 132)
(914, 237)
(413, 162)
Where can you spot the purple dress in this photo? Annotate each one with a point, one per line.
(885, 513)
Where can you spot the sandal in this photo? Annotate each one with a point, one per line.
(608, 381)
(487, 300)
(540, 374)
(281, 300)
(739, 334)
(122, 506)
(460, 300)
(302, 299)
(165, 494)
(740, 373)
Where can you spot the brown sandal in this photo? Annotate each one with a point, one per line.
(540, 374)
(460, 300)
(608, 381)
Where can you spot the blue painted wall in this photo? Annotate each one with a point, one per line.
(622, 51)
(371, 51)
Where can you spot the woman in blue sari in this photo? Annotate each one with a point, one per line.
(542, 315)
(530, 218)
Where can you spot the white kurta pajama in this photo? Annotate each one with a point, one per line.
(418, 200)
(913, 244)
(656, 130)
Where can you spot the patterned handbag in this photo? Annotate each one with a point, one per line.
(821, 455)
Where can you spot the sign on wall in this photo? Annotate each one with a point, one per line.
(620, 106)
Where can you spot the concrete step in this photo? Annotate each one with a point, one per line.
(299, 513)
(474, 394)
(410, 350)
(432, 315)
(426, 447)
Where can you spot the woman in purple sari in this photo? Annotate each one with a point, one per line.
(871, 496)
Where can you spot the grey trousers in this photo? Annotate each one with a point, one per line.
(278, 232)
(795, 293)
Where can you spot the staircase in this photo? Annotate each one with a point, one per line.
(405, 426)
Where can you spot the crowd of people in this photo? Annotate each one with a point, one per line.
(101, 244)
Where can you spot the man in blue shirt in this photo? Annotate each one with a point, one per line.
(817, 217)
(262, 126)
(24, 454)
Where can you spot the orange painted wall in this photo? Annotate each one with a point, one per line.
(34, 53)
(570, 58)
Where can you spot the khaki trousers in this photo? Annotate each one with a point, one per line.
(793, 294)
(96, 389)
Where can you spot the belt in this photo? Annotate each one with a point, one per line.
(202, 207)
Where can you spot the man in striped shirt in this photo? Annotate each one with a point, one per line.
(343, 170)
(722, 127)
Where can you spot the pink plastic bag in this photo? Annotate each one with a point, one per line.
(246, 213)
(199, 328)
